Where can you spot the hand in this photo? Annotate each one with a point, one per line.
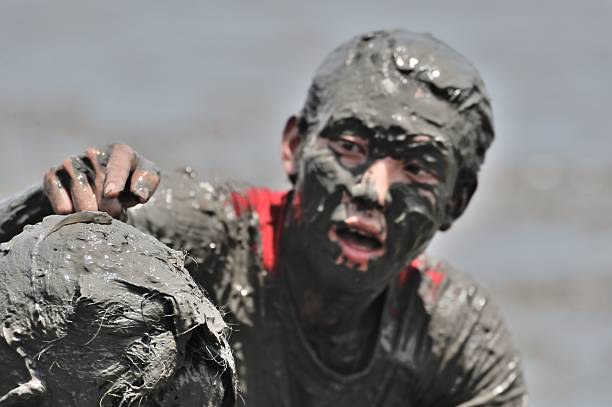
(108, 179)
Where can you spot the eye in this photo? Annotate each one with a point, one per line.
(417, 172)
(413, 168)
(352, 150)
(350, 146)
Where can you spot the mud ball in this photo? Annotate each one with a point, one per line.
(103, 315)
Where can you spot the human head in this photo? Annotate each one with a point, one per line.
(106, 315)
(404, 97)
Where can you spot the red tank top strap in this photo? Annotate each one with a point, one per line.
(270, 208)
(420, 265)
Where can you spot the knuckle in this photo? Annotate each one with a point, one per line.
(67, 164)
(48, 176)
(89, 206)
(92, 153)
(121, 148)
(63, 208)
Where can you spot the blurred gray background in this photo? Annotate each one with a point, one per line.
(209, 84)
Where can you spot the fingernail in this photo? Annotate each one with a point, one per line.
(143, 194)
(110, 188)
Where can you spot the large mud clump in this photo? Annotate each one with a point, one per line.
(102, 314)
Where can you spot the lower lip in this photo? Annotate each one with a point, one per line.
(354, 254)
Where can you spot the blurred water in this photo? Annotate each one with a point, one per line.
(209, 84)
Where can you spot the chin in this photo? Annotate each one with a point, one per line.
(344, 276)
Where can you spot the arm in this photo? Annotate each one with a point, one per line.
(186, 215)
(19, 210)
(199, 218)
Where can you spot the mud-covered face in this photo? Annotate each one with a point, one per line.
(388, 120)
(369, 199)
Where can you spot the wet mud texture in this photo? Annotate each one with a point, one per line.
(441, 341)
(24, 208)
(415, 103)
(400, 80)
(96, 313)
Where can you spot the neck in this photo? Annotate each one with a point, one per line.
(340, 326)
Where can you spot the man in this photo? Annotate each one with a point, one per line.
(333, 301)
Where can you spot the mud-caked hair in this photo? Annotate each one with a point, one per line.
(397, 61)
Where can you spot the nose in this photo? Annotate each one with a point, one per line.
(373, 187)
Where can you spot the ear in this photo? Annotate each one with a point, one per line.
(290, 147)
(467, 182)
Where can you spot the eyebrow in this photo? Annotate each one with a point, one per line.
(437, 149)
(426, 145)
(433, 153)
(427, 139)
(352, 124)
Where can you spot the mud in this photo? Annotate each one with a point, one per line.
(437, 339)
(412, 98)
(222, 240)
(312, 331)
(200, 218)
(21, 209)
(398, 80)
(409, 98)
(99, 313)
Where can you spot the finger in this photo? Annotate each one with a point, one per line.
(121, 163)
(56, 193)
(114, 207)
(83, 197)
(128, 199)
(145, 180)
(96, 159)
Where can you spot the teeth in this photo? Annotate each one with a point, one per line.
(363, 233)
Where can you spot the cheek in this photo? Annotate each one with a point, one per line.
(412, 221)
(321, 164)
(321, 180)
(426, 200)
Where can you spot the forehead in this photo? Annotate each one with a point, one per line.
(398, 80)
(408, 108)
(388, 107)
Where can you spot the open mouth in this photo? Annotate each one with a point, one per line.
(358, 238)
(359, 242)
